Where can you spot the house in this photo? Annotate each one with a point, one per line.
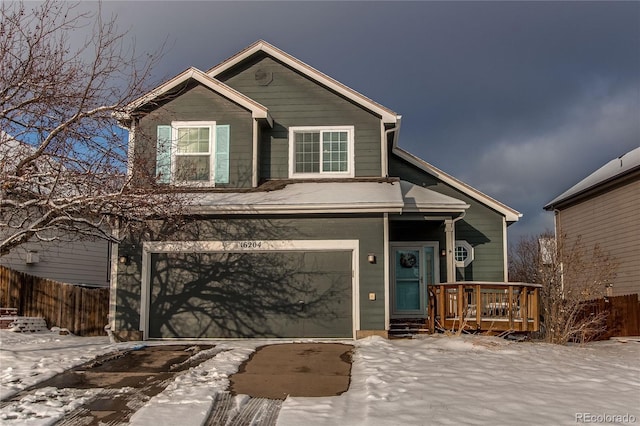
(65, 259)
(303, 217)
(603, 209)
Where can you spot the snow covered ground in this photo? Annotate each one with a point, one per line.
(435, 380)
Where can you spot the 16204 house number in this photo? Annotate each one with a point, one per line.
(251, 244)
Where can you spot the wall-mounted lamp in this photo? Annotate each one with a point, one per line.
(123, 260)
(443, 252)
(371, 258)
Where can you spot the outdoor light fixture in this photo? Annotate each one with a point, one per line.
(443, 252)
(123, 259)
(371, 258)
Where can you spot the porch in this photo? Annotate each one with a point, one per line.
(476, 306)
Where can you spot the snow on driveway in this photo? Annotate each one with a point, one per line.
(434, 380)
(472, 380)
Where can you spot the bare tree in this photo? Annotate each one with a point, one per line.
(525, 258)
(572, 275)
(65, 73)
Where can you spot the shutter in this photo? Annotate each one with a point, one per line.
(222, 154)
(163, 154)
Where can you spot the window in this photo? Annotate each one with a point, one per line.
(321, 151)
(463, 253)
(193, 153)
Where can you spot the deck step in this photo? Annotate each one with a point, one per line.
(408, 327)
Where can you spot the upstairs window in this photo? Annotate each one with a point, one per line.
(193, 153)
(193, 156)
(321, 152)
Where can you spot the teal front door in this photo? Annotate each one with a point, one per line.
(414, 269)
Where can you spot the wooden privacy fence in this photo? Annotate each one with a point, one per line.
(81, 310)
(623, 315)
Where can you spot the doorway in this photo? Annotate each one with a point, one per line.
(414, 267)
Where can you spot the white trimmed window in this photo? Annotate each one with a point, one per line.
(193, 153)
(463, 253)
(321, 152)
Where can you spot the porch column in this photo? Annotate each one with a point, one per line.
(450, 241)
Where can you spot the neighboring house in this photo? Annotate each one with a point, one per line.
(85, 262)
(72, 262)
(302, 218)
(603, 209)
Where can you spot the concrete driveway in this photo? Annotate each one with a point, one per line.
(295, 369)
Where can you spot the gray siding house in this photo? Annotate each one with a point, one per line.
(67, 260)
(603, 209)
(303, 217)
(73, 262)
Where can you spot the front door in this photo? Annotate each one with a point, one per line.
(414, 268)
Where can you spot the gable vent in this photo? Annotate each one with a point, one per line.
(263, 77)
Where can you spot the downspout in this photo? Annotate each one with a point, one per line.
(556, 231)
(385, 148)
(450, 241)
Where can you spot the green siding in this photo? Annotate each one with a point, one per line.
(198, 103)
(365, 228)
(295, 100)
(482, 226)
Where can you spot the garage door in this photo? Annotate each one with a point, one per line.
(273, 294)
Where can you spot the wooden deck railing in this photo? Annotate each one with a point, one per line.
(486, 306)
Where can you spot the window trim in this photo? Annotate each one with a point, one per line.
(175, 125)
(470, 253)
(322, 175)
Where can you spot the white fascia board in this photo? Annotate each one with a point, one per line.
(241, 246)
(510, 214)
(291, 209)
(434, 209)
(386, 114)
(257, 110)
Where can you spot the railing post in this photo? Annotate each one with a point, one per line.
(460, 302)
(432, 311)
(536, 309)
(524, 305)
(478, 307)
(441, 303)
(510, 306)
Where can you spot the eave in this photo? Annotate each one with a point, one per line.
(616, 171)
(258, 111)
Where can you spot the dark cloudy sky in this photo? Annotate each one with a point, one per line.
(520, 100)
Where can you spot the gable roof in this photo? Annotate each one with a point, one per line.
(388, 116)
(419, 199)
(510, 214)
(614, 169)
(257, 110)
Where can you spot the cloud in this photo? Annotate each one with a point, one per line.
(529, 169)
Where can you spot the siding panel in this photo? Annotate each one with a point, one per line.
(610, 219)
(81, 262)
(294, 100)
(198, 103)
